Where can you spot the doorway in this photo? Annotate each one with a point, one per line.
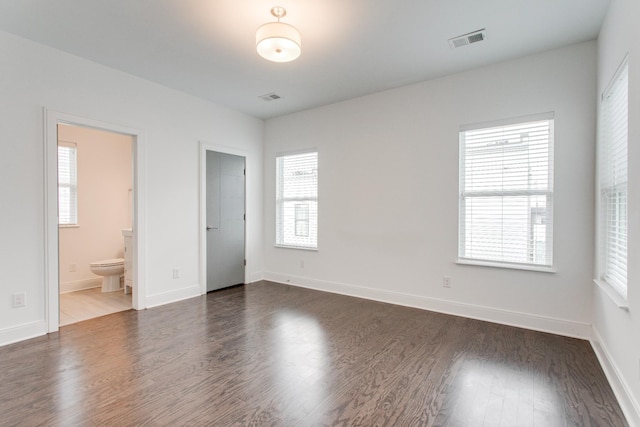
(52, 241)
(95, 213)
(223, 200)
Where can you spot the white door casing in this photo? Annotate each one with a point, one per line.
(51, 244)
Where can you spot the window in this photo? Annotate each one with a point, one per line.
(506, 193)
(67, 184)
(297, 200)
(612, 183)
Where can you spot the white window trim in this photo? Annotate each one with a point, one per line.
(506, 265)
(550, 115)
(300, 248)
(289, 246)
(617, 299)
(460, 260)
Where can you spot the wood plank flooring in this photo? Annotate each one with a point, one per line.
(89, 303)
(268, 354)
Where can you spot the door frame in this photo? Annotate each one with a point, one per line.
(52, 280)
(204, 147)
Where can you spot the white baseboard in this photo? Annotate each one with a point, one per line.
(621, 389)
(23, 332)
(256, 276)
(79, 285)
(173, 296)
(522, 320)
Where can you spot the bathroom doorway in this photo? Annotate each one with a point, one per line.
(51, 239)
(95, 215)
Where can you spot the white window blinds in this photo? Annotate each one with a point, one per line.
(67, 184)
(506, 193)
(297, 200)
(612, 162)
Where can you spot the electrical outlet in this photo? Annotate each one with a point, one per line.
(446, 282)
(72, 268)
(176, 273)
(19, 300)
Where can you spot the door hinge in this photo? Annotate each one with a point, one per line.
(245, 262)
(244, 217)
(244, 172)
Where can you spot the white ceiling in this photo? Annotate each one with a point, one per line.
(350, 48)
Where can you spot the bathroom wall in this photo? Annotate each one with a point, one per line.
(104, 204)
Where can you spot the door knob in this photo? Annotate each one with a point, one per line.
(211, 228)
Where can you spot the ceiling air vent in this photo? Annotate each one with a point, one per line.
(465, 39)
(270, 97)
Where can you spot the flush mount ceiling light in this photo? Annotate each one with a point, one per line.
(277, 41)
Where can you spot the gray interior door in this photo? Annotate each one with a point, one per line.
(225, 220)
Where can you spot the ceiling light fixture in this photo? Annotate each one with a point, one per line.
(277, 41)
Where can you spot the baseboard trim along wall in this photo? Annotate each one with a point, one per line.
(256, 276)
(80, 285)
(173, 296)
(23, 332)
(629, 405)
(522, 320)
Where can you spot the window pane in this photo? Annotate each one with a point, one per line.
(302, 220)
(506, 228)
(508, 158)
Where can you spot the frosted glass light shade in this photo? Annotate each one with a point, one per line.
(278, 42)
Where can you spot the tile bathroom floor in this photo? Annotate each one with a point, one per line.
(89, 303)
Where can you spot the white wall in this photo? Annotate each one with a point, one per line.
(617, 330)
(388, 193)
(104, 204)
(35, 76)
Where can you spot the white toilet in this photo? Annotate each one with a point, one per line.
(111, 270)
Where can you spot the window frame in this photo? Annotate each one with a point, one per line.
(606, 166)
(463, 258)
(71, 186)
(280, 240)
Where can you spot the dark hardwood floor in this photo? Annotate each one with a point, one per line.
(271, 354)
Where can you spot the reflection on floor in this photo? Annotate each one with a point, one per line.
(90, 303)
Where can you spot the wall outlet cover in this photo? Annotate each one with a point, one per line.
(19, 300)
(446, 282)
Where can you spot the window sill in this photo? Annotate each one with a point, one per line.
(302, 248)
(541, 269)
(617, 299)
